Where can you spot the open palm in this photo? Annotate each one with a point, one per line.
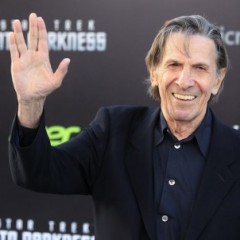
(32, 75)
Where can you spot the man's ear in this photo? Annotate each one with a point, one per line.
(154, 76)
(219, 81)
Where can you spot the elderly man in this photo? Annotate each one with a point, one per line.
(170, 172)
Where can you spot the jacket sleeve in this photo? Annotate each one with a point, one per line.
(70, 168)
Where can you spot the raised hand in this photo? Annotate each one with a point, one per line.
(32, 75)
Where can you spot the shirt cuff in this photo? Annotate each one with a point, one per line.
(26, 135)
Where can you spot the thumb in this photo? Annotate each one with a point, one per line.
(61, 71)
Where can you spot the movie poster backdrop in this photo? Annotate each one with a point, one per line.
(107, 41)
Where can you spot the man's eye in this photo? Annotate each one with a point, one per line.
(174, 65)
(202, 68)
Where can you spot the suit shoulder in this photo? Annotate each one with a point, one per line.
(234, 132)
(123, 116)
(227, 131)
(128, 110)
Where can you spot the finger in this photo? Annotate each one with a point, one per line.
(42, 35)
(19, 38)
(61, 71)
(33, 32)
(14, 54)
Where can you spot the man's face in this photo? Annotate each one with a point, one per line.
(186, 77)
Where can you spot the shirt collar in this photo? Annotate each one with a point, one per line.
(202, 133)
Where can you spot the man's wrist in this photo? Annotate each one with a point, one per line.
(29, 113)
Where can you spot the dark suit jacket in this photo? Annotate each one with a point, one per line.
(112, 161)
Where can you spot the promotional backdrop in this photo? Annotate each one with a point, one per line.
(107, 41)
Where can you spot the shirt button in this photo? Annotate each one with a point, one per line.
(177, 146)
(171, 182)
(164, 218)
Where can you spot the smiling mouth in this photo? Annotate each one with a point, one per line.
(184, 97)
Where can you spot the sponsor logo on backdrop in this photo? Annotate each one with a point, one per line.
(64, 35)
(19, 229)
(230, 37)
(60, 134)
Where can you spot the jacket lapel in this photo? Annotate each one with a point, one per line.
(139, 165)
(216, 182)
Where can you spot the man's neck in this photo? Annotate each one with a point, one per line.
(183, 129)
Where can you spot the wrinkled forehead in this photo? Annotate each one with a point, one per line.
(187, 44)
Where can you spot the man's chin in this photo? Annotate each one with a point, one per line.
(183, 116)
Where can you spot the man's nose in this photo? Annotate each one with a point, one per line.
(185, 79)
